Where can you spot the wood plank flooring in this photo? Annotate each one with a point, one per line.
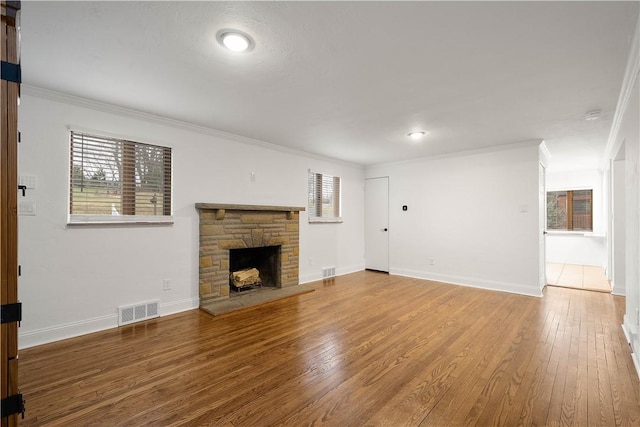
(366, 349)
(585, 277)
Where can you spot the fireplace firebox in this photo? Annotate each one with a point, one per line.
(266, 259)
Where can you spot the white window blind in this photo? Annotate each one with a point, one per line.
(115, 180)
(324, 198)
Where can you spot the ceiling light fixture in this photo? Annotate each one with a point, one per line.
(593, 115)
(234, 40)
(416, 134)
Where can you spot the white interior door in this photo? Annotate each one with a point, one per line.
(542, 206)
(377, 224)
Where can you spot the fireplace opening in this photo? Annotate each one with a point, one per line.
(265, 259)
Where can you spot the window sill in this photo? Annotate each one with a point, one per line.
(109, 220)
(573, 233)
(316, 220)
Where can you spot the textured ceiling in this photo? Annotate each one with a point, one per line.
(348, 80)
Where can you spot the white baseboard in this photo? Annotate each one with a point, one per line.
(179, 306)
(96, 324)
(66, 330)
(340, 271)
(627, 329)
(627, 334)
(636, 363)
(618, 290)
(472, 282)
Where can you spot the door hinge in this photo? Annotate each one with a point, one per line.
(11, 72)
(13, 405)
(11, 312)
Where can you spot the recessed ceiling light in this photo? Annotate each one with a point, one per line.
(234, 40)
(416, 134)
(593, 115)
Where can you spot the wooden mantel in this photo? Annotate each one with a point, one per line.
(221, 208)
(248, 207)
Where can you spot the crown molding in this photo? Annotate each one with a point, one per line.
(630, 78)
(104, 107)
(484, 150)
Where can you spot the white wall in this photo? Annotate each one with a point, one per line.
(475, 214)
(576, 247)
(625, 138)
(74, 278)
(618, 233)
(632, 220)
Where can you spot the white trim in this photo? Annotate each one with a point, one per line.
(545, 155)
(178, 124)
(630, 77)
(472, 282)
(636, 363)
(96, 324)
(76, 219)
(625, 331)
(618, 291)
(179, 306)
(491, 149)
(340, 271)
(324, 219)
(66, 330)
(634, 356)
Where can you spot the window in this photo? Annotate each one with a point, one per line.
(570, 210)
(324, 198)
(114, 180)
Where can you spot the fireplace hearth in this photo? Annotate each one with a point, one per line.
(236, 237)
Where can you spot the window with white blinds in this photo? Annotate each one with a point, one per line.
(115, 180)
(324, 198)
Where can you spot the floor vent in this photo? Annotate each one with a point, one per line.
(328, 272)
(138, 312)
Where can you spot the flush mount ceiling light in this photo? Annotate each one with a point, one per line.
(593, 115)
(235, 40)
(416, 134)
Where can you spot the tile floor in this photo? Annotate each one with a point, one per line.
(577, 276)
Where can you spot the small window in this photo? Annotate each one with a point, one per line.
(570, 210)
(115, 180)
(324, 198)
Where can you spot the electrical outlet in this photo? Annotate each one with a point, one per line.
(166, 285)
(432, 261)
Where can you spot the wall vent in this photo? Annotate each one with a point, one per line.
(328, 272)
(138, 312)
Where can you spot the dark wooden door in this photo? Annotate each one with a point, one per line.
(9, 211)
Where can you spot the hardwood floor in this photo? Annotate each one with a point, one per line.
(366, 349)
(585, 277)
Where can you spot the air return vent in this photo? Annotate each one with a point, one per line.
(138, 312)
(328, 272)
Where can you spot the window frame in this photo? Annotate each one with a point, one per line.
(315, 186)
(570, 214)
(127, 173)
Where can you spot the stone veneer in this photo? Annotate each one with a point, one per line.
(224, 227)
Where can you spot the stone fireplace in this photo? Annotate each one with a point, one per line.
(264, 235)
